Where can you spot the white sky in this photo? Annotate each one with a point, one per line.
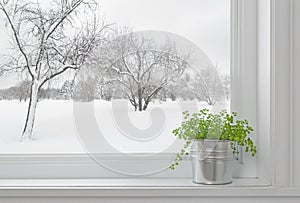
(204, 22)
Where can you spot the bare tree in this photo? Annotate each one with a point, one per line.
(48, 42)
(67, 90)
(85, 90)
(142, 68)
(226, 82)
(24, 90)
(181, 89)
(207, 86)
(10, 93)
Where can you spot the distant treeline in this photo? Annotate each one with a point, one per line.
(89, 90)
(21, 92)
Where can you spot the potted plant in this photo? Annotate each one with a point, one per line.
(211, 140)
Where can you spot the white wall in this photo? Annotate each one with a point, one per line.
(280, 92)
(296, 93)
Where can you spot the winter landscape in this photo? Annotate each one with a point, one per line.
(58, 58)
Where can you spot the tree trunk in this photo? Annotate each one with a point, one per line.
(133, 102)
(210, 101)
(29, 123)
(145, 105)
(140, 100)
(173, 97)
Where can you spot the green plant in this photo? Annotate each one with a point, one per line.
(221, 126)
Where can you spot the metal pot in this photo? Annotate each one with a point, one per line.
(211, 161)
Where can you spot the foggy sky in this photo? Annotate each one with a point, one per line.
(204, 22)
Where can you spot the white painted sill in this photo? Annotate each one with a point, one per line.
(137, 188)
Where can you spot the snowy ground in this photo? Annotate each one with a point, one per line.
(56, 131)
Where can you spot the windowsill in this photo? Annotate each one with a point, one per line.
(138, 187)
(124, 182)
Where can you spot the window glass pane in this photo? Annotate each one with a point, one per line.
(154, 60)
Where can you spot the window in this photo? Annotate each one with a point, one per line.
(210, 41)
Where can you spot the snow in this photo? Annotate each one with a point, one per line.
(55, 130)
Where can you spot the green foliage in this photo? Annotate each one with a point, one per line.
(221, 126)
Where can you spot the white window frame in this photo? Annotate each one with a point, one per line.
(245, 100)
(244, 44)
(243, 74)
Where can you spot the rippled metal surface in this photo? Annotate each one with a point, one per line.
(211, 162)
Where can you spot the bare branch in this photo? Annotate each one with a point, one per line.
(58, 73)
(142, 68)
(16, 37)
(64, 17)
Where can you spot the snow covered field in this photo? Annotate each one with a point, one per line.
(56, 132)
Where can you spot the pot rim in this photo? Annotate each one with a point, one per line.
(211, 140)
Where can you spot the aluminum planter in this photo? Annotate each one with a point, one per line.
(211, 162)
